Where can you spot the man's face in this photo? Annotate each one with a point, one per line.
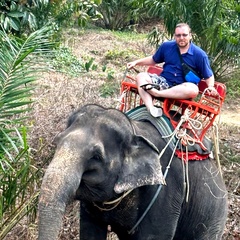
(182, 36)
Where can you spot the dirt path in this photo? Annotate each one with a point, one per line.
(230, 113)
(231, 116)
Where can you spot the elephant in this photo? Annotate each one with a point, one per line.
(112, 165)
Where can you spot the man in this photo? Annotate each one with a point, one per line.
(171, 81)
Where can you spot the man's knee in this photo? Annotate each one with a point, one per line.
(143, 77)
(196, 91)
(193, 90)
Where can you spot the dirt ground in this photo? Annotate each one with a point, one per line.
(57, 95)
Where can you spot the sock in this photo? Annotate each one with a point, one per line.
(155, 111)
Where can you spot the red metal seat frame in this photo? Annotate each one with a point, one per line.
(204, 108)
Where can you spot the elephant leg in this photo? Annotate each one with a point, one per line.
(122, 234)
(90, 228)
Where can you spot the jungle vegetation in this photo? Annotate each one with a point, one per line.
(30, 31)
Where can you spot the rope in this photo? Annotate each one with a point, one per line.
(120, 99)
(181, 135)
(187, 176)
(216, 146)
(207, 90)
(184, 175)
(117, 201)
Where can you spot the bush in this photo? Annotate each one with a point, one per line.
(119, 14)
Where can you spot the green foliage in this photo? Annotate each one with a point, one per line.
(109, 87)
(66, 62)
(74, 12)
(18, 178)
(37, 14)
(11, 13)
(120, 57)
(90, 65)
(233, 86)
(20, 61)
(118, 14)
(116, 54)
(215, 25)
(24, 16)
(18, 69)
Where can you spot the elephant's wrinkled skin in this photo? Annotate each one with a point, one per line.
(101, 154)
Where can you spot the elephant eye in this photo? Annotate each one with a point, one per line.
(93, 164)
(97, 157)
(97, 154)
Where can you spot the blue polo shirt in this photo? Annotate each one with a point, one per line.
(195, 57)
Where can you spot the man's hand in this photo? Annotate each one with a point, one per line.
(131, 64)
(212, 90)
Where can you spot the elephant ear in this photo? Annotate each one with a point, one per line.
(141, 166)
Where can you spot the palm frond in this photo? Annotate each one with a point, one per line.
(20, 61)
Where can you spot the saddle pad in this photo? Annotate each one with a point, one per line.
(162, 124)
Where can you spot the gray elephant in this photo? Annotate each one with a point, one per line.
(111, 164)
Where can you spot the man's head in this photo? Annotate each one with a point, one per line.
(183, 35)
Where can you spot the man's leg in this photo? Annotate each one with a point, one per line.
(185, 90)
(144, 78)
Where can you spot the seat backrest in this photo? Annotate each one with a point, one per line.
(155, 69)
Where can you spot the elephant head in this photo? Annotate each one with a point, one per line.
(97, 157)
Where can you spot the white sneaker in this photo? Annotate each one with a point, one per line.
(155, 111)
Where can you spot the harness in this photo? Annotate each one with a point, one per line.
(184, 126)
(163, 126)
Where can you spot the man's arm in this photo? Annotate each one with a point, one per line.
(142, 62)
(210, 81)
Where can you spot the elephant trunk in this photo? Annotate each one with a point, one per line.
(58, 189)
(50, 221)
